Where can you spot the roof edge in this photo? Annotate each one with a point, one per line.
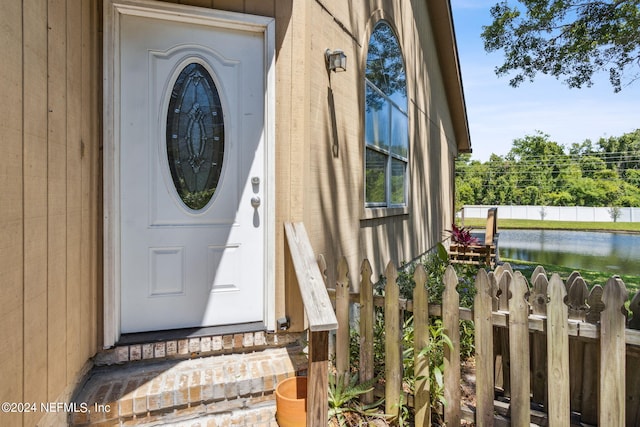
(441, 18)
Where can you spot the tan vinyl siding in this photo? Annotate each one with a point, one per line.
(335, 217)
(11, 210)
(49, 255)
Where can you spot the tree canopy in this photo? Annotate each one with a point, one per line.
(570, 39)
(539, 171)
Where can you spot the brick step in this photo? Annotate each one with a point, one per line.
(262, 415)
(156, 393)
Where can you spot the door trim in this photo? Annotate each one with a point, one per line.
(113, 11)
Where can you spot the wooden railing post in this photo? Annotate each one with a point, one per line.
(321, 319)
(318, 379)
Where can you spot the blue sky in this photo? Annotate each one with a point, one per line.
(498, 113)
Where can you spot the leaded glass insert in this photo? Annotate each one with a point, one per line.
(195, 136)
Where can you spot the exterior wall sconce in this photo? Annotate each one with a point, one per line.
(336, 60)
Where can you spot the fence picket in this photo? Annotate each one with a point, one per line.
(572, 277)
(612, 354)
(577, 310)
(503, 357)
(632, 417)
(632, 377)
(634, 307)
(451, 324)
(519, 350)
(366, 328)
(342, 313)
(558, 353)
(577, 299)
(392, 343)
(538, 302)
(595, 304)
(536, 272)
(538, 298)
(421, 341)
(322, 266)
(589, 403)
(591, 365)
(482, 314)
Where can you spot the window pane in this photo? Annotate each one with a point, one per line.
(386, 120)
(399, 133)
(377, 119)
(195, 136)
(385, 66)
(375, 177)
(398, 172)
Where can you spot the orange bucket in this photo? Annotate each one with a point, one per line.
(291, 402)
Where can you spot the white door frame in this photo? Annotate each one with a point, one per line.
(113, 10)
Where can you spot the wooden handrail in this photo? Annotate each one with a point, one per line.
(321, 319)
(314, 294)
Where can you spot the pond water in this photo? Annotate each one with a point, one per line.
(618, 253)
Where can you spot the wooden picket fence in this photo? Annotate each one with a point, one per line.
(568, 347)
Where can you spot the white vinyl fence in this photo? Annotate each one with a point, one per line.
(553, 213)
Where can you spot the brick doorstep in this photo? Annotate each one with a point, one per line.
(261, 416)
(157, 393)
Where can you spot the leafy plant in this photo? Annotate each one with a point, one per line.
(404, 413)
(435, 264)
(462, 236)
(467, 339)
(344, 391)
(435, 352)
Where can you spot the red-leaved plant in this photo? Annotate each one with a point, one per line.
(462, 236)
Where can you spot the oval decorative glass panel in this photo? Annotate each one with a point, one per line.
(195, 136)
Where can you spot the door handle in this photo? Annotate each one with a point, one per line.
(255, 202)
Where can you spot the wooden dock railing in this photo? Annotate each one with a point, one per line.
(568, 347)
(321, 320)
(484, 253)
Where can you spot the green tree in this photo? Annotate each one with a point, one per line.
(573, 39)
(622, 153)
(591, 165)
(538, 171)
(538, 162)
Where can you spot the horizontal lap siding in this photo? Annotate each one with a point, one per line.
(49, 199)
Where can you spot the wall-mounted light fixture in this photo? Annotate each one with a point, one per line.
(336, 60)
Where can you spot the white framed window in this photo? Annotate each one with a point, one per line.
(386, 121)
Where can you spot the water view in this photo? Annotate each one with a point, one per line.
(618, 253)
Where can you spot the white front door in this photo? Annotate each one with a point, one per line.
(192, 173)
